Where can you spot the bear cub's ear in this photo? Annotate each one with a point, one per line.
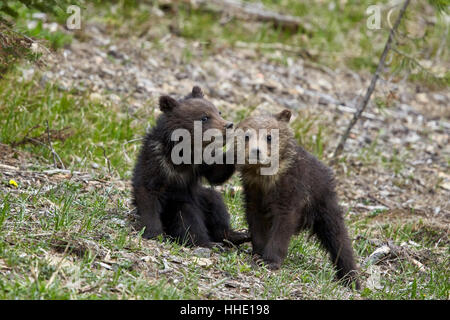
(197, 92)
(167, 103)
(284, 115)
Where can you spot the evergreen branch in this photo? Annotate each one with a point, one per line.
(414, 61)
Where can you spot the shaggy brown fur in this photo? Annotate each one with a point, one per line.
(170, 199)
(299, 196)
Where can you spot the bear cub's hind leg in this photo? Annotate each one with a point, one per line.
(330, 229)
(217, 219)
(149, 210)
(188, 226)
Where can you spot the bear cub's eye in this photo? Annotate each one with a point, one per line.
(269, 138)
(205, 118)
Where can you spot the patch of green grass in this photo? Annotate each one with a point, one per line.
(64, 241)
(233, 198)
(407, 282)
(399, 277)
(310, 134)
(338, 31)
(50, 254)
(376, 212)
(371, 154)
(56, 39)
(95, 129)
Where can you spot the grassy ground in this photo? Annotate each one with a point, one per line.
(92, 127)
(60, 239)
(69, 234)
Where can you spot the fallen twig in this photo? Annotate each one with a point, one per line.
(391, 250)
(8, 167)
(255, 11)
(44, 145)
(378, 255)
(60, 135)
(273, 46)
(382, 202)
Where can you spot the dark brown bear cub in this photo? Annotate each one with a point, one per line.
(299, 196)
(170, 198)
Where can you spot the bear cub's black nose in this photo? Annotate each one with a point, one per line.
(229, 125)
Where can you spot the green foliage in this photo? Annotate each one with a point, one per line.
(17, 37)
(54, 7)
(441, 5)
(310, 134)
(13, 47)
(92, 129)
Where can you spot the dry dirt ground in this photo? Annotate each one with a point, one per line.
(396, 165)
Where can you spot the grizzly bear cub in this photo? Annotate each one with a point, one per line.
(170, 198)
(299, 196)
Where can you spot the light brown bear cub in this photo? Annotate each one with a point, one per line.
(299, 196)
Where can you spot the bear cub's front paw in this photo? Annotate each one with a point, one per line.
(265, 262)
(151, 233)
(237, 237)
(271, 264)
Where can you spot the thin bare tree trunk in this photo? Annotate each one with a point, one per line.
(373, 83)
